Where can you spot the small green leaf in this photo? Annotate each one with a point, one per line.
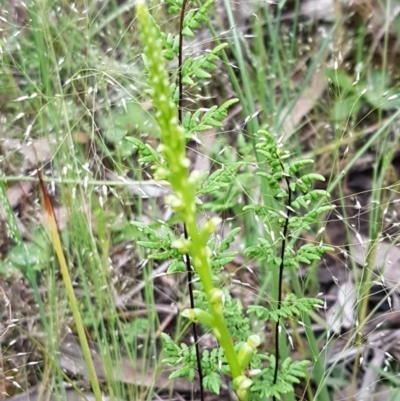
(176, 266)
(341, 79)
(202, 74)
(347, 107)
(186, 80)
(213, 382)
(188, 32)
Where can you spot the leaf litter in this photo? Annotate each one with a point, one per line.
(386, 268)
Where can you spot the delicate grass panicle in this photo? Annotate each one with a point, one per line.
(215, 308)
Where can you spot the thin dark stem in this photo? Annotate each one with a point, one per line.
(180, 61)
(187, 257)
(195, 337)
(281, 267)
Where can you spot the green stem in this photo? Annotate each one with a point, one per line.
(203, 269)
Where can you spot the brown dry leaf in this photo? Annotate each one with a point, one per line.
(375, 352)
(16, 194)
(380, 21)
(81, 137)
(325, 10)
(18, 191)
(342, 313)
(142, 189)
(318, 9)
(242, 11)
(385, 393)
(35, 152)
(367, 390)
(122, 299)
(71, 360)
(373, 11)
(376, 349)
(376, 13)
(304, 104)
(386, 273)
(387, 260)
(203, 161)
(36, 394)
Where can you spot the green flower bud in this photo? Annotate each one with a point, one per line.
(217, 299)
(247, 350)
(161, 173)
(172, 133)
(241, 385)
(254, 341)
(254, 372)
(176, 204)
(194, 178)
(160, 148)
(199, 315)
(244, 355)
(217, 296)
(181, 245)
(189, 314)
(210, 226)
(185, 162)
(242, 394)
